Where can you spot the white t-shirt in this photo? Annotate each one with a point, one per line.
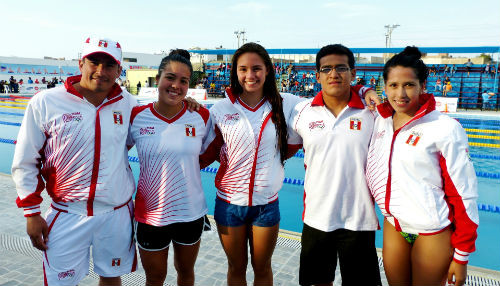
(335, 151)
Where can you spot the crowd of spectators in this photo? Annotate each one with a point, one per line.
(450, 70)
(302, 82)
(13, 85)
(443, 87)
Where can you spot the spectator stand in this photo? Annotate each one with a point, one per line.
(24, 71)
(468, 89)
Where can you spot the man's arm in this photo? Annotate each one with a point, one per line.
(26, 174)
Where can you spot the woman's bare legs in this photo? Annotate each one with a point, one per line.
(184, 260)
(155, 266)
(262, 244)
(396, 252)
(431, 256)
(234, 242)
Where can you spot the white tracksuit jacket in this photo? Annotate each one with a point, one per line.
(250, 172)
(74, 150)
(422, 177)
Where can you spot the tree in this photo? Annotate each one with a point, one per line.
(487, 58)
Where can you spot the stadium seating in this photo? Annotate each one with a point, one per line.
(467, 89)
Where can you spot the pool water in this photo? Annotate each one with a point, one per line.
(487, 254)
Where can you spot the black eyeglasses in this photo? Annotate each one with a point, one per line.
(338, 69)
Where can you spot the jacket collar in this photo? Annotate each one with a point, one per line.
(426, 101)
(354, 101)
(70, 81)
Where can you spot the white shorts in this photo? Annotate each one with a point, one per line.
(66, 261)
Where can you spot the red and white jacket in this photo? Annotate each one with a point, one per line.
(422, 177)
(169, 188)
(74, 150)
(250, 171)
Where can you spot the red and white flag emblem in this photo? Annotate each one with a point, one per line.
(117, 117)
(413, 139)
(115, 262)
(103, 44)
(355, 124)
(190, 130)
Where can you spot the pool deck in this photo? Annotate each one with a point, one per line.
(20, 263)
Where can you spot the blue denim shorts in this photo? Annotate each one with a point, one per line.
(227, 214)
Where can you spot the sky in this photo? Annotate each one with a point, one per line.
(34, 29)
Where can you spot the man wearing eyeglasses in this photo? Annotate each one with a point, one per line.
(339, 214)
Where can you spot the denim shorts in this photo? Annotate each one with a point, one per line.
(227, 214)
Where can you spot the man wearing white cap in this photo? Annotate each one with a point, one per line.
(72, 143)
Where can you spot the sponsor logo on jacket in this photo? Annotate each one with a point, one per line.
(190, 130)
(69, 117)
(149, 130)
(316, 124)
(354, 123)
(379, 134)
(413, 138)
(232, 117)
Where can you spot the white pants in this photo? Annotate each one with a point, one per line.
(66, 261)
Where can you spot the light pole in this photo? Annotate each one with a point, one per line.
(388, 37)
(240, 34)
(388, 34)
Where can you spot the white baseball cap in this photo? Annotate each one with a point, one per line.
(99, 45)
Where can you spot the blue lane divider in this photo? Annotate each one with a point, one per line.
(483, 121)
(133, 159)
(488, 175)
(484, 156)
(478, 126)
(10, 141)
(299, 155)
(10, 123)
(12, 113)
(488, 208)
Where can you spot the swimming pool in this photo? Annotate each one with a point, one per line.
(485, 131)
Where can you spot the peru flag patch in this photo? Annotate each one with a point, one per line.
(117, 117)
(413, 139)
(190, 130)
(355, 124)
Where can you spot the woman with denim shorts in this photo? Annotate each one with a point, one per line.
(250, 140)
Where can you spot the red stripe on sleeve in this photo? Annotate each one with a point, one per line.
(465, 234)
